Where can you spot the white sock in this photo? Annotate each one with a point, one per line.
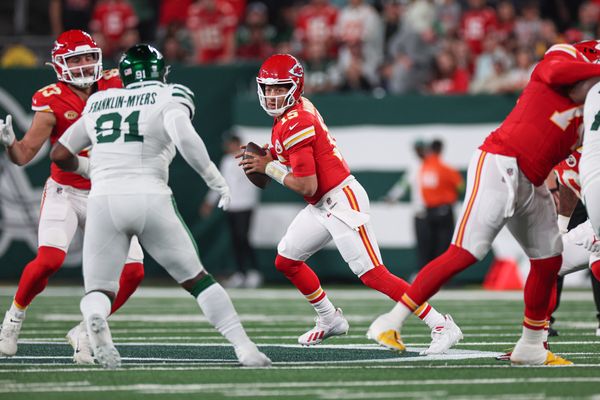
(95, 303)
(430, 316)
(17, 312)
(324, 307)
(218, 309)
(533, 336)
(400, 313)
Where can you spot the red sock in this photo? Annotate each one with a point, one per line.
(596, 269)
(131, 277)
(433, 276)
(35, 274)
(552, 302)
(382, 280)
(539, 287)
(299, 274)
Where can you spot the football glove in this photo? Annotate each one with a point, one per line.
(590, 243)
(7, 135)
(215, 181)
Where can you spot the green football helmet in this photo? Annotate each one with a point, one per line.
(141, 63)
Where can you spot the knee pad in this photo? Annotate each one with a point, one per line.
(285, 265)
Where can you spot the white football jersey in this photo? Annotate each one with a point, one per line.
(131, 148)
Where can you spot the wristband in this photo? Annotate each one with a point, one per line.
(277, 171)
(83, 167)
(563, 223)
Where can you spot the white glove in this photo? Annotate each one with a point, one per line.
(7, 135)
(225, 198)
(590, 243)
(215, 181)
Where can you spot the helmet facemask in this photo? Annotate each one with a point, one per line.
(288, 98)
(79, 75)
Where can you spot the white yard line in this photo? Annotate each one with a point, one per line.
(133, 366)
(246, 387)
(291, 294)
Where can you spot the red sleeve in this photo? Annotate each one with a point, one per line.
(560, 69)
(110, 79)
(42, 100)
(302, 161)
(273, 153)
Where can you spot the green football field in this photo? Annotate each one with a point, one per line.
(170, 351)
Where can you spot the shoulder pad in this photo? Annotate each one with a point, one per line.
(42, 99)
(110, 79)
(183, 95)
(297, 130)
(563, 48)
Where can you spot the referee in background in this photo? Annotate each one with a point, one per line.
(440, 187)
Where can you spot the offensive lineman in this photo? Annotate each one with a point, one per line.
(133, 133)
(304, 158)
(505, 186)
(77, 61)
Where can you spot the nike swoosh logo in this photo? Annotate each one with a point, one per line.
(293, 126)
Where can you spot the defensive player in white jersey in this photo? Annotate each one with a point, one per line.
(589, 167)
(133, 133)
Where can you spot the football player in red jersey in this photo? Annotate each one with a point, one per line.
(304, 157)
(77, 61)
(505, 187)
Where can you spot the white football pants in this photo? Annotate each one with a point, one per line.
(114, 219)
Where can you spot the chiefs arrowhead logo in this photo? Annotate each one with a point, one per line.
(571, 161)
(278, 147)
(297, 70)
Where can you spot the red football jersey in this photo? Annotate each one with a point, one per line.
(316, 24)
(302, 141)
(475, 25)
(210, 29)
(545, 125)
(567, 172)
(59, 99)
(112, 19)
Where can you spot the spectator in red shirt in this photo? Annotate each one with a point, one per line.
(172, 11)
(212, 26)
(506, 20)
(476, 22)
(316, 23)
(113, 26)
(448, 78)
(255, 37)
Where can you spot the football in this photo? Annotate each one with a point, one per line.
(260, 180)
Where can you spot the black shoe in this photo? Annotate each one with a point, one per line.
(552, 332)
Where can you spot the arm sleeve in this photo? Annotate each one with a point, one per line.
(76, 138)
(562, 70)
(302, 160)
(186, 139)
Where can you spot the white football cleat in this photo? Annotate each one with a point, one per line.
(82, 348)
(252, 357)
(535, 354)
(338, 326)
(102, 343)
(385, 331)
(443, 337)
(11, 326)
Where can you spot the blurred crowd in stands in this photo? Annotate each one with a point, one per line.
(393, 46)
